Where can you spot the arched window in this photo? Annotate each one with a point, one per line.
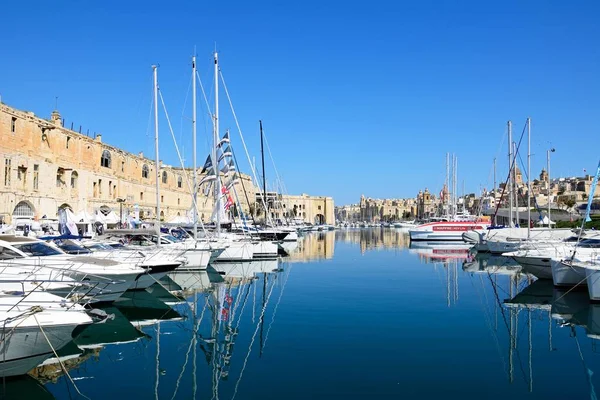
(23, 209)
(179, 182)
(74, 178)
(105, 160)
(164, 177)
(145, 171)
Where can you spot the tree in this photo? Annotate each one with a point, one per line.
(569, 203)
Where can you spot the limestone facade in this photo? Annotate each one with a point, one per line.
(377, 210)
(47, 166)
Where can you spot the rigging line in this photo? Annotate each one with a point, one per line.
(509, 174)
(187, 179)
(488, 320)
(183, 112)
(208, 112)
(588, 371)
(262, 195)
(243, 187)
(243, 306)
(58, 358)
(187, 354)
(262, 314)
(276, 306)
(499, 304)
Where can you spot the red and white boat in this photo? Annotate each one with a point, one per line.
(448, 230)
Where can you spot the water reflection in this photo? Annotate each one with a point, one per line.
(523, 306)
(191, 335)
(24, 387)
(374, 238)
(313, 246)
(490, 263)
(245, 330)
(433, 252)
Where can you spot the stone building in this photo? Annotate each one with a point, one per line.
(47, 167)
(348, 213)
(426, 204)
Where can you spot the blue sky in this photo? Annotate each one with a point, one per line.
(355, 97)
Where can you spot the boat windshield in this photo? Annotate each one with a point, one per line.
(37, 249)
(70, 247)
(8, 254)
(99, 247)
(590, 243)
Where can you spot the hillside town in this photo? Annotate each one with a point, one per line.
(567, 196)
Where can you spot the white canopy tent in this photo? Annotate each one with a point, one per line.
(545, 220)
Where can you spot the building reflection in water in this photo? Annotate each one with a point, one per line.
(313, 246)
(374, 238)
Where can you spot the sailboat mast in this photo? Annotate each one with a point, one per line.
(262, 154)
(510, 181)
(216, 141)
(195, 184)
(528, 178)
(516, 184)
(155, 69)
(446, 199)
(494, 191)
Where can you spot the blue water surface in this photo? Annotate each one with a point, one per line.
(351, 314)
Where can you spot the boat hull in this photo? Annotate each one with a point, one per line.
(564, 274)
(537, 266)
(26, 347)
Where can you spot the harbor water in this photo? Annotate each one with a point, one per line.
(351, 314)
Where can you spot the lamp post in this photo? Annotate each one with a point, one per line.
(120, 201)
(552, 150)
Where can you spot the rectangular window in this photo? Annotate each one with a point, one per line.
(100, 187)
(122, 166)
(22, 177)
(60, 177)
(7, 163)
(68, 140)
(319, 207)
(141, 196)
(114, 191)
(36, 176)
(13, 124)
(162, 199)
(95, 191)
(110, 192)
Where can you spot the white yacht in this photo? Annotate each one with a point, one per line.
(34, 325)
(447, 230)
(106, 279)
(155, 264)
(536, 257)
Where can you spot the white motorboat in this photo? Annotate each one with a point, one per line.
(34, 325)
(156, 265)
(447, 230)
(106, 279)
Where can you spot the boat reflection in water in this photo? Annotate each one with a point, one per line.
(563, 309)
(218, 301)
(435, 252)
(490, 263)
(24, 387)
(126, 317)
